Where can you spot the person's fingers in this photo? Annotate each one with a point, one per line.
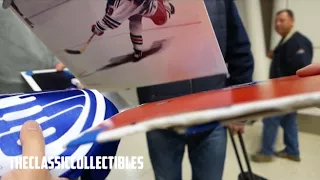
(270, 54)
(33, 145)
(313, 69)
(63, 179)
(9, 176)
(232, 128)
(32, 140)
(58, 178)
(241, 129)
(236, 129)
(60, 66)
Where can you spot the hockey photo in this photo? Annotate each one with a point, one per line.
(117, 44)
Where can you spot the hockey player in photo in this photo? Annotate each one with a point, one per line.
(117, 11)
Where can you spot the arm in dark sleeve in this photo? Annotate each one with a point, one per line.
(299, 56)
(238, 57)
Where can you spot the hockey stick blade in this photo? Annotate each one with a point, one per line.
(69, 51)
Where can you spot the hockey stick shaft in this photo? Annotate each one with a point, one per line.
(80, 51)
(87, 43)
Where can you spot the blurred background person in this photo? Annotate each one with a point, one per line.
(293, 52)
(20, 51)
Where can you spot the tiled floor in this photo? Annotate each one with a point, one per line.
(278, 170)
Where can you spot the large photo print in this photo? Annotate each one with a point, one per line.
(116, 44)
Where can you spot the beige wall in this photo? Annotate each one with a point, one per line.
(307, 14)
(266, 10)
(252, 18)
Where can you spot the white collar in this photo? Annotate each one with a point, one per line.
(289, 35)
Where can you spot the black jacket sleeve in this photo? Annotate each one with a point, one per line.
(239, 58)
(298, 55)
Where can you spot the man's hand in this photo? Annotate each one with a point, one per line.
(33, 144)
(60, 66)
(270, 54)
(235, 128)
(96, 30)
(77, 83)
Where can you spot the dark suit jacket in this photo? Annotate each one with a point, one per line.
(235, 47)
(294, 54)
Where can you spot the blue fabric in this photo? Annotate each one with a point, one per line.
(29, 73)
(270, 130)
(202, 127)
(60, 110)
(103, 149)
(88, 137)
(207, 151)
(238, 53)
(68, 74)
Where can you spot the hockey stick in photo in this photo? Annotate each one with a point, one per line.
(69, 51)
(125, 33)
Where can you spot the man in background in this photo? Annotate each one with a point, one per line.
(207, 149)
(20, 50)
(293, 52)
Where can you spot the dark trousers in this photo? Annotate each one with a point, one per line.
(270, 130)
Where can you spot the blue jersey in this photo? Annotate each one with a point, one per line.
(62, 115)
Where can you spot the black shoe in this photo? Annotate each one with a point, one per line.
(137, 56)
(284, 154)
(261, 158)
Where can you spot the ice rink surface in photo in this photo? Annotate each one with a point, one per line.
(189, 48)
